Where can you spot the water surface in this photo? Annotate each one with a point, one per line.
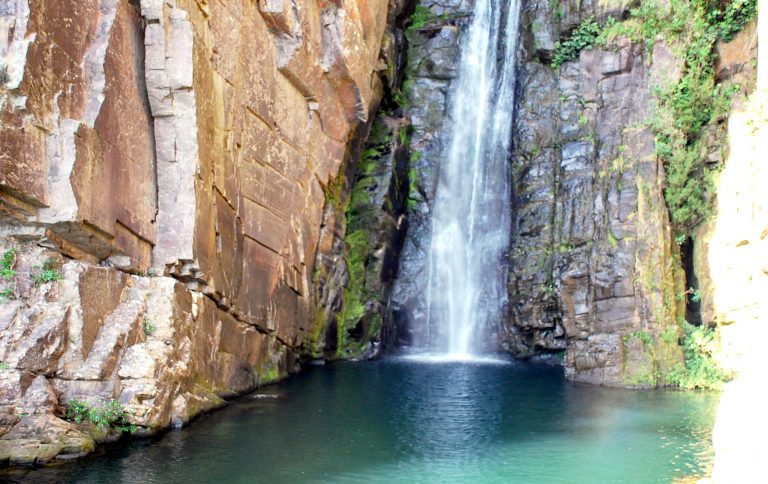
(402, 421)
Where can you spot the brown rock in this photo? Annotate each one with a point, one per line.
(738, 55)
(193, 138)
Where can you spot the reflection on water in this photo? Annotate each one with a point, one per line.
(400, 421)
(442, 417)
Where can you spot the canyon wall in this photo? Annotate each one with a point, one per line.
(592, 268)
(196, 195)
(165, 165)
(596, 268)
(731, 261)
(729, 249)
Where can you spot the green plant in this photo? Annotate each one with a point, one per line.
(420, 17)
(148, 327)
(6, 294)
(360, 210)
(694, 104)
(404, 137)
(643, 336)
(696, 296)
(355, 295)
(583, 37)
(699, 370)
(694, 293)
(7, 273)
(400, 98)
(6, 264)
(47, 272)
(736, 15)
(670, 335)
(413, 187)
(109, 414)
(4, 366)
(645, 22)
(77, 411)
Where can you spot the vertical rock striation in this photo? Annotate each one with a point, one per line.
(593, 269)
(190, 140)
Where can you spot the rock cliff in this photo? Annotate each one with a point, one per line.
(196, 195)
(594, 270)
(614, 151)
(432, 55)
(730, 255)
(167, 162)
(592, 265)
(597, 269)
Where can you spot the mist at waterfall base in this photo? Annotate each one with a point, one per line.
(397, 421)
(466, 288)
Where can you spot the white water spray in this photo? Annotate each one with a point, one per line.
(466, 291)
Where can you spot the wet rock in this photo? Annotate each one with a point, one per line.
(164, 352)
(432, 56)
(590, 221)
(365, 235)
(36, 440)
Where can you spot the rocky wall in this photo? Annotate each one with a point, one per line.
(593, 269)
(189, 140)
(730, 255)
(728, 251)
(165, 352)
(362, 236)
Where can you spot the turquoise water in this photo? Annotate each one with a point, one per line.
(399, 421)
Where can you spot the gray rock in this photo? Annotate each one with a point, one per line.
(590, 224)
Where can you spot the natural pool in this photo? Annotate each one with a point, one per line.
(401, 421)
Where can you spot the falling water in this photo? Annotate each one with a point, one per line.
(466, 293)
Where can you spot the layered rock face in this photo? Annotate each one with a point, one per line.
(193, 141)
(593, 267)
(164, 351)
(593, 270)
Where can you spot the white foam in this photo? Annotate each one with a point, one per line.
(434, 358)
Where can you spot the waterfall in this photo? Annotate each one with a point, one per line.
(466, 291)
